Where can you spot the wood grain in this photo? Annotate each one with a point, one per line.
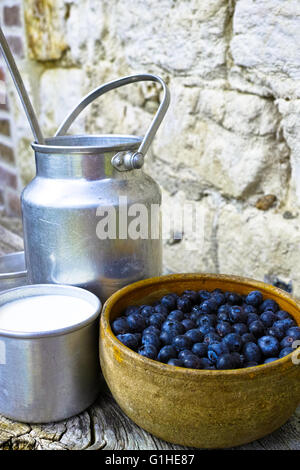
(104, 425)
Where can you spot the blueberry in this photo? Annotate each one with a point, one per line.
(205, 329)
(276, 331)
(286, 342)
(129, 339)
(250, 364)
(147, 311)
(254, 298)
(148, 350)
(288, 323)
(270, 359)
(217, 291)
(257, 328)
(156, 320)
(226, 361)
(132, 309)
(136, 322)
(200, 349)
(223, 328)
(216, 350)
(223, 312)
(195, 313)
(252, 352)
(207, 364)
(269, 346)
(211, 338)
(207, 320)
(249, 309)
(151, 338)
(175, 315)
(268, 318)
(169, 301)
(182, 342)
(285, 352)
(233, 341)
(233, 298)
(195, 335)
(160, 308)
(192, 295)
(248, 338)
(204, 295)
(209, 306)
(282, 315)
(294, 332)
(166, 337)
(237, 314)
(269, 304)
(219, 298)
(192, 362)
(283, 325)
(252, 317)
(188, 324)
(151, 329)
(166, 353)
(175, 362)
(239, 359)
(205, 307)
(240, 328)
(120, 326)
(173, 326)
(184, 304)
(184, 353)
(197, 310)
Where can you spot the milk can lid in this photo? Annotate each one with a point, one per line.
(81, 144)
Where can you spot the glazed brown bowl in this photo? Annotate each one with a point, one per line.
(198, 408)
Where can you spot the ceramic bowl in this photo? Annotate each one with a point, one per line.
(198, 408)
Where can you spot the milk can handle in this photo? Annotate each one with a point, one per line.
(150, 134)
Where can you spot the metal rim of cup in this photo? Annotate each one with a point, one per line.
(50, 289)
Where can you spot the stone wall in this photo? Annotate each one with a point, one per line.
(231, 139)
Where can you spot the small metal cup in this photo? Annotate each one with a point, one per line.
(49, 376)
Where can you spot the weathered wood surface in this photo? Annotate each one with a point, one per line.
(104, 425)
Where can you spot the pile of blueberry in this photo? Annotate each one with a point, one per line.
(209, 330)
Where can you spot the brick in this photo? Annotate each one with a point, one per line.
(5, 127)
(12, 203)
(3, 106)
(6, 153)
(12, 15)
(16, 45)
(8, 178)
(3, 95)
(2, 74)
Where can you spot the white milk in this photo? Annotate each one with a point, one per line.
(43, 313)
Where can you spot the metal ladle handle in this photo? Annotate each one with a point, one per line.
(124, 160)
(14, 71)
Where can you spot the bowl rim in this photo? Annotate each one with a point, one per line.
(182, 372)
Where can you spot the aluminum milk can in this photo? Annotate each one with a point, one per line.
(91, 216)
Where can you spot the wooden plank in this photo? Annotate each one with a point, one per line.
(104, 426)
